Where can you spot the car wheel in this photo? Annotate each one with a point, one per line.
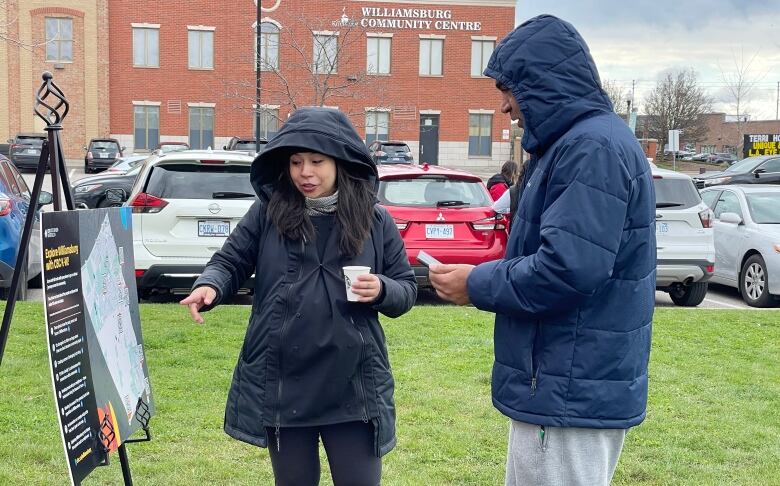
(689, 295)
(754, 282)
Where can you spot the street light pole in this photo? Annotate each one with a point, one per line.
(258, 60)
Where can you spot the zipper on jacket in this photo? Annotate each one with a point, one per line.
(535, 369)
(281, 337)
(360, 375)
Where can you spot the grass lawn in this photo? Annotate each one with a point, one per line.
(713, 417)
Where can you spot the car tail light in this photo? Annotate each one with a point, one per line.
(6, 205)
(709, 268)
(401, 224)
(212, 161)
(139, 273)
(657, 177)
(491, 223)
(89, 155)
(706, 218)
(380, 153)
(146, 203)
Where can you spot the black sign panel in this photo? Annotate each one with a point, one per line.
(66, 334)
(761, 144)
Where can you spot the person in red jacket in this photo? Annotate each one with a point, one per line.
(502, 181)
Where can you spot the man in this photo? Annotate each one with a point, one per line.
(574, 295)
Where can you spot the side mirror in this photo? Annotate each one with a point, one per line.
(84, 147)
(116, 195)
(123, 148)
(732, 218)
(759, 171)
(45, 198)
(224, 147)
(10, 140)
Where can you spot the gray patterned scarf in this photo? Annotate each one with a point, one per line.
(322, 205)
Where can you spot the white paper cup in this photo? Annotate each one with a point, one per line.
(350, 276)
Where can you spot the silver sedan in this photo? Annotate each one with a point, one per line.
(747, 240)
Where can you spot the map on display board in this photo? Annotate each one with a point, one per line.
(99, 372)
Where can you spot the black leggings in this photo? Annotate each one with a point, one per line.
(350, 450)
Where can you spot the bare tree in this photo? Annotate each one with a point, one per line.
(617, 95)
(739, 88)
(678, 103)
(321, 63)
(9, 28)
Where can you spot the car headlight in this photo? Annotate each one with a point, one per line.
(714, 182)
(776, 246)
(86, 188)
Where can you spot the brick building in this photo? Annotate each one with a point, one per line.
(69, 38)
(401, 70)
(723, 133)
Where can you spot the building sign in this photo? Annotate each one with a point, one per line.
(414, 18)
(761, 144)
(96, 354)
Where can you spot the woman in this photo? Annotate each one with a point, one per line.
(313, 365)
(499, 183)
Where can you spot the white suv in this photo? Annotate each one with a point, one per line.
(684, 238)
(185, 204)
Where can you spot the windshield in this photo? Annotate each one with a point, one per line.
(746, 165)
(395, 149)
(105, 146)
(34, 141)
(197, 181)
(433, 192)
(245, 145)
(675, 193)
(764, 207)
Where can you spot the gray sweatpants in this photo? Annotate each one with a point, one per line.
(561, 456)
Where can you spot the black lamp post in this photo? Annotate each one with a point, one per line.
(258, 60)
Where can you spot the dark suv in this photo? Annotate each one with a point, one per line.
(101, 154)
(245, 144)
(25, 150)
(384, 152)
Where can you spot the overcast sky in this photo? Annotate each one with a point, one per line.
(642, 40)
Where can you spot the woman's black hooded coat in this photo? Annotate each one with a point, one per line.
(310, 357)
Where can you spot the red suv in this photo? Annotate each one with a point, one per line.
(445, 212)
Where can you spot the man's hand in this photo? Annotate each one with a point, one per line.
(368, 287)
(450, 282)
(199, 297)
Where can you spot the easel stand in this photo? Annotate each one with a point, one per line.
(106, 436)
(52, 156)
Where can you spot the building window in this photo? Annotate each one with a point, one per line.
(201, 127)
(377, 126)
(480, 55)
(269, 122)
(146, 47)
(201, 49)
(269, 46)
(325, 53)
(480, 129)
(147, 127)
(59, 39)
(708, 149)
(378, 55)
(431, 56)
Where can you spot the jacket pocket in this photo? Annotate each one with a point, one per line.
(535, 362)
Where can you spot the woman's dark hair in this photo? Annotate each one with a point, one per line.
(355, 208)
(509, 170)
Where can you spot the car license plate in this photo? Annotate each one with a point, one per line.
(662, 228)
(213, 228)
(33, 152)
(103, 155)
(439, 231)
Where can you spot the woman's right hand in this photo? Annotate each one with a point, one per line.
(199, 297)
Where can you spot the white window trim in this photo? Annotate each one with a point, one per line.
(201, 27)
(378, 34)
(484, 38)
(375, 108)
(145, 26)
(432, 36)
(267, 107)
(482, 112)
(268, 20)
(325, 32)
(146, 103)
(430, 112)
(201, 105)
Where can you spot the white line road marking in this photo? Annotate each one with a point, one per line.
(726, 304)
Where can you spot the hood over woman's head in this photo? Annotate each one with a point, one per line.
(312, 129)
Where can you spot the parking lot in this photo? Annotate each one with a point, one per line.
(718, 296)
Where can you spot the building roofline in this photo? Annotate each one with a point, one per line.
(458, 3)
